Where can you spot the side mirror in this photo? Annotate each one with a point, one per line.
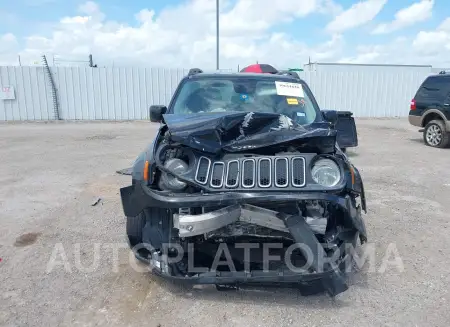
(330, 116)
(156, 113)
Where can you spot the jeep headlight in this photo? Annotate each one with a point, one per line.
(326, 172)
(170, 182)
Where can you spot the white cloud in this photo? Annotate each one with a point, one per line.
(434, 43)
(258, 16)
(8, 49)
(417, 12)
(445, 25)
(358, 14)
(184, 35)
(330, 7)
(426, 48)
(7, 41)
(89, 8)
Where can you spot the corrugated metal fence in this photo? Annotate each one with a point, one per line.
(126, 93)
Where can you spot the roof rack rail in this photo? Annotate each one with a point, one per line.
(289, 73)
(194, 71)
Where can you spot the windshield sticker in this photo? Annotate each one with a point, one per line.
(292, 101)
(289, 89)
(243, 97)
(301, 114)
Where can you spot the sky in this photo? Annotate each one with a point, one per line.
(182, 33)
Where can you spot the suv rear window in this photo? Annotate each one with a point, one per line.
(434, 87)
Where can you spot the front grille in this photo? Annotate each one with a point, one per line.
(202, 173)
(298, 172)
(248, 173)
(232, 179)
(264, 172)
(257, 172)
(281, 172)
(218, 169)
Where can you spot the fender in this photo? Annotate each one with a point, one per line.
(147, 155)
(438, 112)
(359, 187)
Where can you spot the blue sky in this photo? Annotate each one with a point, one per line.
(307, 28)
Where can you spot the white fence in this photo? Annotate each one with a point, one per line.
(126, 93)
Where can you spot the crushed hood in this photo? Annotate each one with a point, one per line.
(235, 132)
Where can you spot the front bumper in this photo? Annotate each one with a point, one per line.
(327, 276)
(331, 281)
(136, 197)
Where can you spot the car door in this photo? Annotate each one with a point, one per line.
(446, 103)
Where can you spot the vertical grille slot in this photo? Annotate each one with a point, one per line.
(264, 172)
(217, 174)
(248, 173)
(281, 172)
(232, 179)
(202, 173)
(298, 172)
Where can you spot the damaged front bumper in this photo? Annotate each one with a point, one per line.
(137, 197)
(239, 206)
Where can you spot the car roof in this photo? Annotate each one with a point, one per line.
(277, 77)
(446, 75)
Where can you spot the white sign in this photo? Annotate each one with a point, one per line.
(7, 93)
(289, 89)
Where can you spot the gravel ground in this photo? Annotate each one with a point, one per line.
(51, 174)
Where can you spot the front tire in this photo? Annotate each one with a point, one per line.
(435, 134)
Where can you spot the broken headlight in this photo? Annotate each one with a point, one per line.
(170, 182)
(326, 172)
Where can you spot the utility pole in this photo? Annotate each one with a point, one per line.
(217, 34)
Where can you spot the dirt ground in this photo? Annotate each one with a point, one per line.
(59, 267)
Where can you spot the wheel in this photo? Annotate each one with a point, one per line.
(135, 225)
(435, 134)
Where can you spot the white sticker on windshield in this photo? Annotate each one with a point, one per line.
(289, 89)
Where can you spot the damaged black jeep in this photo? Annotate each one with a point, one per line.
(245, 184)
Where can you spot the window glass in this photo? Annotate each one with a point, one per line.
(434, 87)
(242, 94)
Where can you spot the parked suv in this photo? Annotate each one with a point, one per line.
(430, 108)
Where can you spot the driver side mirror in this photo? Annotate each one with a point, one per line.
(156, 113)
(330, 116)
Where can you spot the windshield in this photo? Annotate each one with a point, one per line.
(243, 94)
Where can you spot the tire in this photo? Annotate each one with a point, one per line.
(135, 225)
(435, 134)
(344, 150)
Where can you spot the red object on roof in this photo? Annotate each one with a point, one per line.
(260, 68)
